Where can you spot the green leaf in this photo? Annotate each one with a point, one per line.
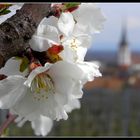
(67, 6)
(4, 11)
(71, 5)
(17, 58)
(24, 64)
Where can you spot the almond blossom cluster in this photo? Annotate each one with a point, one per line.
(43, 92)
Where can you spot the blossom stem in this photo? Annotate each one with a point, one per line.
(6, 123)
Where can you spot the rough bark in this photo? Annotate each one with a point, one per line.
(16, 31)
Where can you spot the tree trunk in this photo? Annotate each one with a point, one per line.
(16, 31)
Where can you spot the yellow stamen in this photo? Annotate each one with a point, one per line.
(42, 86)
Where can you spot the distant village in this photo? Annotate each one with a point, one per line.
(120, 74)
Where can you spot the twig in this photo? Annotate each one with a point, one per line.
(7, 122)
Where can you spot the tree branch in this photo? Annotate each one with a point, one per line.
(16, 31)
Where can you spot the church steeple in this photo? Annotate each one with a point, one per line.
(124, 53)
(124, 34)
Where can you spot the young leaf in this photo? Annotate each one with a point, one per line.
(4, 9)
(24, 64)
(4, 12)
(17, 58)
(71, 5)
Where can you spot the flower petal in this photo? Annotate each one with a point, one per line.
(86, 12)
(29, 108)
(90, 70)
(81, 52)
(72, 104)
(42, 125)
(39, 43)
(12, 68)
(66, 77)
(65, 69)
(66, 23)
(35, 72)
(68, 54)
(85, 40)
(46, 33)
(11, 91)
(52, 21)
(49, 32)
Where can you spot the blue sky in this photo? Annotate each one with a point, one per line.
(109, 38)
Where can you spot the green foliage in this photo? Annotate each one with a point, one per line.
(68, 6)
(24, 64)
(4, 9)
(71, 5)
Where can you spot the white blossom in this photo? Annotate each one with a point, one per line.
(46, 35)
(49, 92)
(75, 30)
(75, 48)
(89, 18)
(46, 90)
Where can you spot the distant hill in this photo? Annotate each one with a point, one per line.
(104, 56)
(109, 56)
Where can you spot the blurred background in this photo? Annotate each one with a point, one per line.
(111, 104)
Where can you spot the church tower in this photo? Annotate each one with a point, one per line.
(124, 53)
